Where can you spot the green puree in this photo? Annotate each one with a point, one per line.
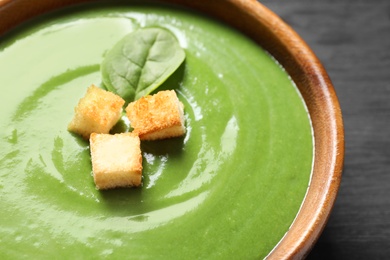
(229, 189)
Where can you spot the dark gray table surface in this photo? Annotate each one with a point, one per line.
(352, 40)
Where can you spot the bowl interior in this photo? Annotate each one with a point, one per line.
(268, 30)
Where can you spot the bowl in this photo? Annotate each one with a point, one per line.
(283, 43)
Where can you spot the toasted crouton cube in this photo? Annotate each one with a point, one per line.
(157, 116)
(97, 112)
(116, 160)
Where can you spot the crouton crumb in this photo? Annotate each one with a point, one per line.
(97, 112)
(157, 116)
(116, 160)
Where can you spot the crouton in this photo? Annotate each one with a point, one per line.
(157, 116)
(97, 112)
(116, 160)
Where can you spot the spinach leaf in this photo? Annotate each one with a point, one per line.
(141, 62)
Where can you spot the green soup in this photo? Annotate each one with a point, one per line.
(230, 188)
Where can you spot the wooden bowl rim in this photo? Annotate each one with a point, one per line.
(281, 41)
